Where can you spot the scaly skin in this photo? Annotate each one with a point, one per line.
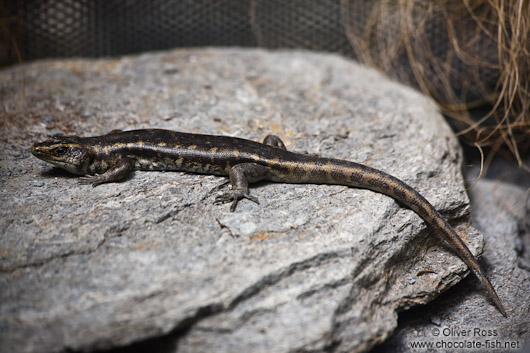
(111, 157)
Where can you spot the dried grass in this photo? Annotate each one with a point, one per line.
(464, 54)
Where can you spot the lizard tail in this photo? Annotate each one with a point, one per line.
(342, 172)
(381, 182)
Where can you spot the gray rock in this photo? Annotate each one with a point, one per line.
(501, 212)
(312, 267)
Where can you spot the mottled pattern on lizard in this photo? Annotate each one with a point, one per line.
(111, 157)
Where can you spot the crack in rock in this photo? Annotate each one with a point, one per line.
(112, 232)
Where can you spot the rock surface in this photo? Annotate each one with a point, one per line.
(502, 212)
(310, 268)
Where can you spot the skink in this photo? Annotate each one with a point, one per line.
(111, 157)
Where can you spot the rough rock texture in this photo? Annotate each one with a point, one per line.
(310, 268)
(459, 321)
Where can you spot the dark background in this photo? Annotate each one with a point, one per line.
(95, 28)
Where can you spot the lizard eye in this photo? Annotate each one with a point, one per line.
(60, 151)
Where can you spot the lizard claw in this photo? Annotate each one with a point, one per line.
(94, 180)
(234, 196)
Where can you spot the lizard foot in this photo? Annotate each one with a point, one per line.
(234, 196)
(95, 180)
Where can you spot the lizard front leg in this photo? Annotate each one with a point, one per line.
(240, 176)
(117, 172)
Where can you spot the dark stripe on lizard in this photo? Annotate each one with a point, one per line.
(111, 157)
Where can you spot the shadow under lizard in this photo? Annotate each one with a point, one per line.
(111, 157)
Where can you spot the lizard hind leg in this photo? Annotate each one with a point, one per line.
(240, 176)
(274, 141)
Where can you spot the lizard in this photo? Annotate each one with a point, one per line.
(111, 157)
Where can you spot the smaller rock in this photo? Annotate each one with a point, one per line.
(38, 183)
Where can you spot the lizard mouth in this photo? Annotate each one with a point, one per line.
(37, 151)
(43, 153)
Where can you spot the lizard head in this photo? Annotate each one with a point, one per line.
(66, 152)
